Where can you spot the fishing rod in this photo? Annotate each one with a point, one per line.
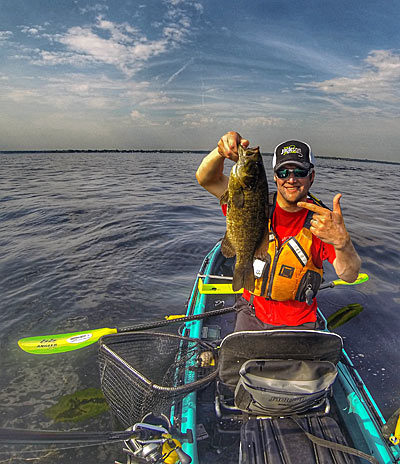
(139, 439)
(61, 343)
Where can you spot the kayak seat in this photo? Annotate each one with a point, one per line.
(238, 347)
(279, 372)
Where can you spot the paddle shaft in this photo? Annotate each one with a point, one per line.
(61, 343)
(51, 344)
(193, 317)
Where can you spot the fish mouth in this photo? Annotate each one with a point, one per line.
(250, 152)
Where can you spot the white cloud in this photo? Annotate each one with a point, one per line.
(105, 42)
(32, 30)
(5, 35)
(98, 7)
(261, 121)
(21, 95)
(196, 120)
(140, 120)
(154, 98)
(378, 81)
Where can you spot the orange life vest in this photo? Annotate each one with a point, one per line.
(289, 272)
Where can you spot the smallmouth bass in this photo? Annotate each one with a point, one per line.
(247, 215)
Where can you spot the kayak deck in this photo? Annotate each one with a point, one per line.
(219, 432)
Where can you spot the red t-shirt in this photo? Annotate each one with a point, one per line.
(291, 313)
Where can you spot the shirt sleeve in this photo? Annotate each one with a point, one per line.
(328, 252)
(322, 251)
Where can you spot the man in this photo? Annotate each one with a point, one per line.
(285, 302)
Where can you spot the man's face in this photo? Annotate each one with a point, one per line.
(293, 189)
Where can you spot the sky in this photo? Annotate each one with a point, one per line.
(178, 74)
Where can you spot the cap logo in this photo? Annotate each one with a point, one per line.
(291, 149)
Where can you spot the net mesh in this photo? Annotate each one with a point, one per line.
(142, 372)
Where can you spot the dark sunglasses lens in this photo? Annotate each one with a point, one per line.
(298, 172)
(282, 173)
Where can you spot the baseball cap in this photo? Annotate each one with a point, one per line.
(293, 152)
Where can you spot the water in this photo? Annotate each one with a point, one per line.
(114, 239)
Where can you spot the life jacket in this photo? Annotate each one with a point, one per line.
(288, 271)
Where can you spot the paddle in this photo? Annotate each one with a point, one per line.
(51, 344)
(343, 315)
(360, 279)
(225, 289)
(61, 343)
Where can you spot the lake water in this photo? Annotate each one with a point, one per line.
(93, 240)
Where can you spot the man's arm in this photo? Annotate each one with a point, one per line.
(329, 227)
(210, 173)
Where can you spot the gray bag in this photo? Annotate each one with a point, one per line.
(278, 387)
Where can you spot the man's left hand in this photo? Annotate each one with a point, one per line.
(328, 225)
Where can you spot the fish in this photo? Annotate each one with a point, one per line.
(78, 406)
(247, 215)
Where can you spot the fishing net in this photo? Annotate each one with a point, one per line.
(142, 372)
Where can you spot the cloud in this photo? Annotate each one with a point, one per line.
(96, 8)
(261, 121)
(76, 92)
(21, 95)
(140, 120)
(105, 42)
(377, 82)
(196, 120)
(32, 30)
(122, 47)
(5, 35)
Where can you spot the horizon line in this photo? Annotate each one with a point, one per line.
(161, 150)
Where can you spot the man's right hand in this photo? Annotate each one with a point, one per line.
(228, 145)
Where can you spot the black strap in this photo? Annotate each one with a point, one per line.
(333, 445)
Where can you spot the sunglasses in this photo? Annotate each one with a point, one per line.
(297, 172)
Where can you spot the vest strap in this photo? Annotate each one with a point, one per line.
(298, 250)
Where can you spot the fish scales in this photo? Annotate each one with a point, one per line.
(247, 215)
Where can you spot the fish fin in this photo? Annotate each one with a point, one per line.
(238, 198)
(262, 249)
(243, 277)
(227, 249)
(224, 198)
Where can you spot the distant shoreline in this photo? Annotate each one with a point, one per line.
(200, 152)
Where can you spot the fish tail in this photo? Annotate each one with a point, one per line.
(243, 277)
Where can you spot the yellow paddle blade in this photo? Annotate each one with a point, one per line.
(62, 342)
(360, 279)
(216, 289)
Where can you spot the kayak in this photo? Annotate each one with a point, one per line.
(222, 433)
(208, 394)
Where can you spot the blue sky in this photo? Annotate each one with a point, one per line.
(180, 73)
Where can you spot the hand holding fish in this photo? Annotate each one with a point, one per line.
(228, 145)
(328, 225)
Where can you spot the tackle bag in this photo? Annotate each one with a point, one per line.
(279, 372)
(280, 387)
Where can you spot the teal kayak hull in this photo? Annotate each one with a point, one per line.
(357, 412)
